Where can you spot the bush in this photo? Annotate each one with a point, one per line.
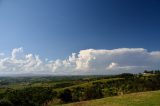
(33, 96)
(66, 95)
(93, 92)
(4, 102)
(78, 94)
(110, 91)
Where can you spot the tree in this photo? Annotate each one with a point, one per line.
(32, 96)
(78, 94)
(66, 95)
(93, 92)
(4, 102)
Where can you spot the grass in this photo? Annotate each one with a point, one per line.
(135, 99)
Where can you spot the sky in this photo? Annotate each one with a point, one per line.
(79, 36)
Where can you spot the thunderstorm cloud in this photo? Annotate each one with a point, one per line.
(89, 61)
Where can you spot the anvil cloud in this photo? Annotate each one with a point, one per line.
(89, 61)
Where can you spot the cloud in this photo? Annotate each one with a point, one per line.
(16, 51)
(112, 66)
(89, 61)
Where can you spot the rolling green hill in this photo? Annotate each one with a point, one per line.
(135, 99)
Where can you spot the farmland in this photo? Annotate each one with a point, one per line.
(116, 90)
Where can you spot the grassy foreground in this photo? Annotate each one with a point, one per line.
(134, 99)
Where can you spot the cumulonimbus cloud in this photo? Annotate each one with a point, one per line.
(89, 61)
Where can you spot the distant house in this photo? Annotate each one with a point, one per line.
(144, 73)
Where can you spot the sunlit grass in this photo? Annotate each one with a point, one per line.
(134, 99)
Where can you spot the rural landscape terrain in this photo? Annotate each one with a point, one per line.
(79, 52)
(113, 90)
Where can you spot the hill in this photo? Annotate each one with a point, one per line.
(135, 99)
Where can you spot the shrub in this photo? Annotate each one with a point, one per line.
(93, 92)
(33, 96)
(66, 95)
(4, 102)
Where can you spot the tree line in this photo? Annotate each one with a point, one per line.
(119, 85)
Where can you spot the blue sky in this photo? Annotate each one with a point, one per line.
(105, 35)
(56, 28)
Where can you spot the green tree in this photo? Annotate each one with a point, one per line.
(66, 95)
(4, 102)
(32, 96)
(93, 92)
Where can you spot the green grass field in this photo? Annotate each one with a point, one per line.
(135, 99)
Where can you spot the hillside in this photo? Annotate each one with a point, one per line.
(60, 90)
(135, 99)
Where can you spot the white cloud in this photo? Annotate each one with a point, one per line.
(16, 51)
(112, 66)
(89, 61)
